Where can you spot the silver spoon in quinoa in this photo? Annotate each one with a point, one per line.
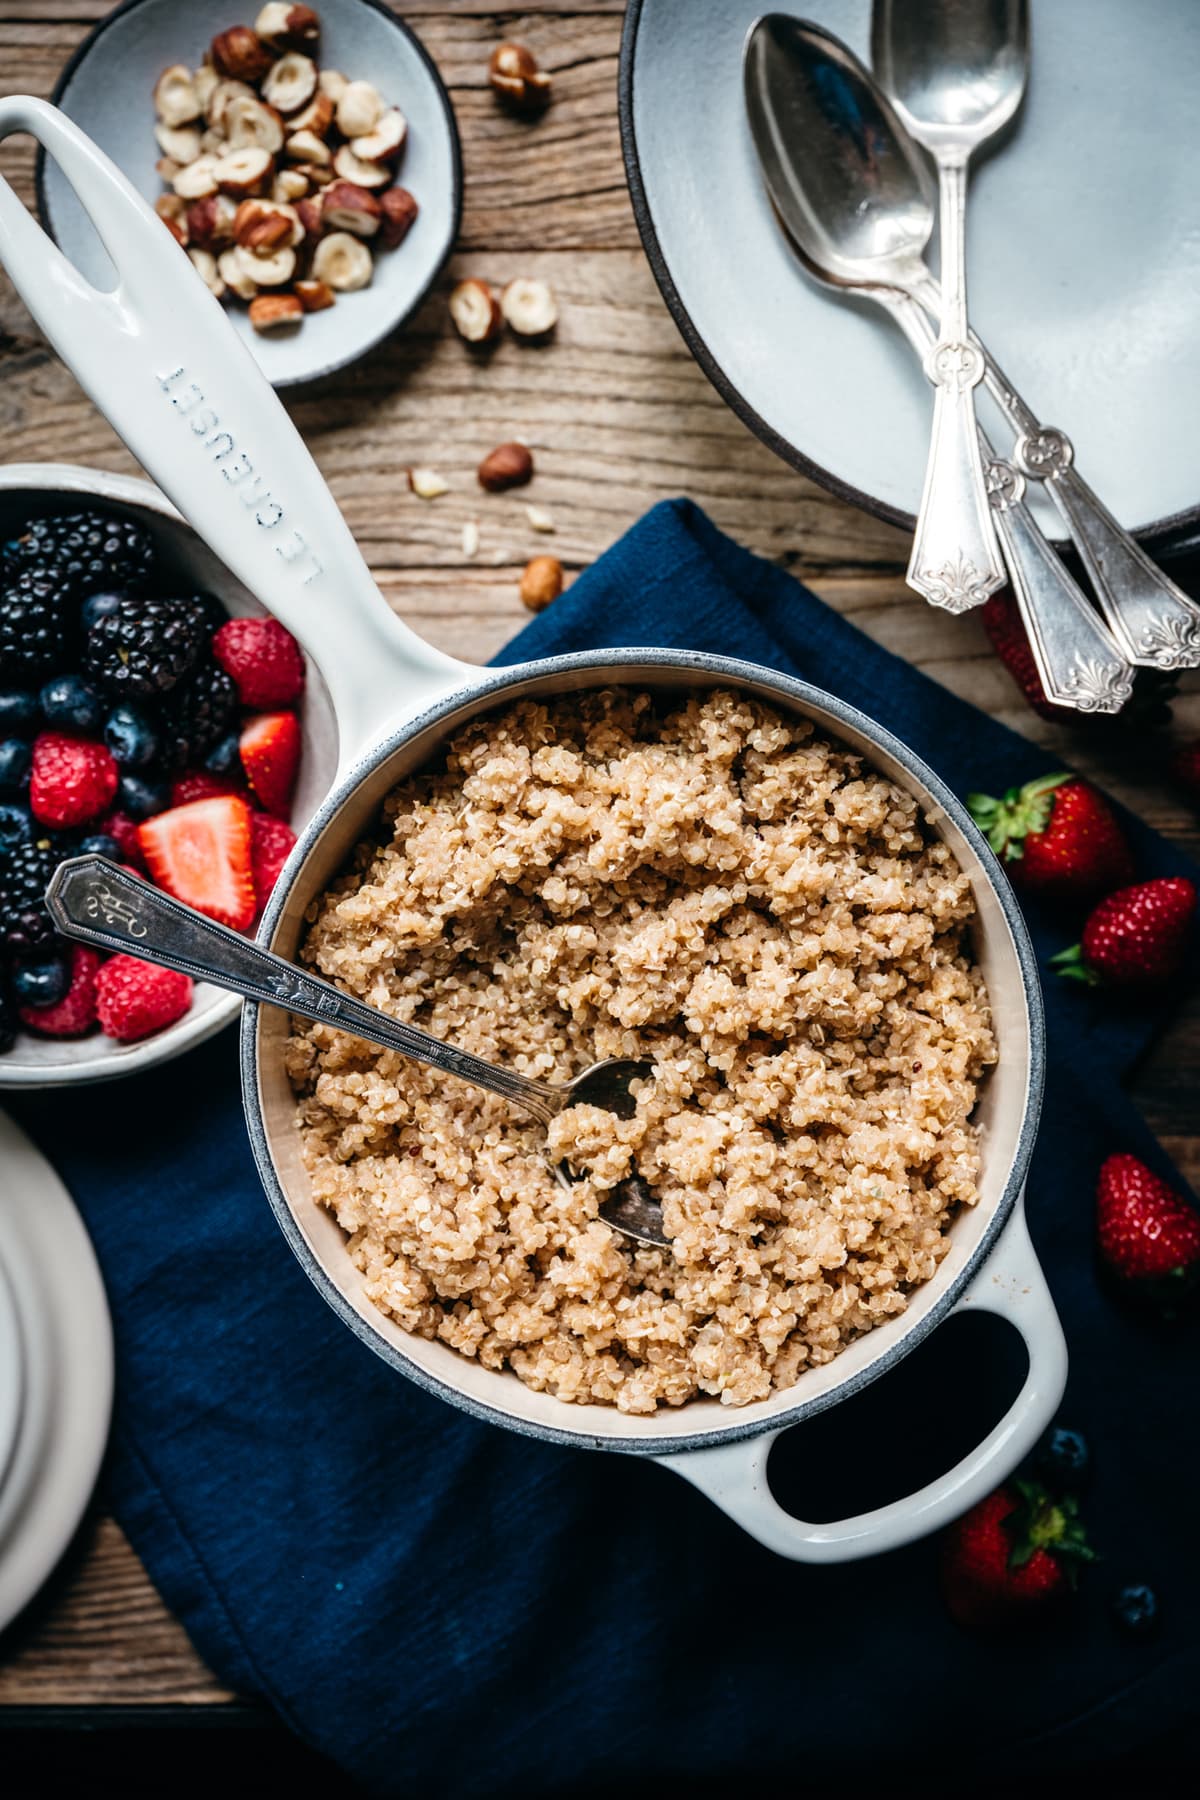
(101, 903)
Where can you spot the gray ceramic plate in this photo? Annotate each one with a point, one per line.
(1084, 247)
(107, 86)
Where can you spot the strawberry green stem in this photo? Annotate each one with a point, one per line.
(1071, 966)
(1007, 822)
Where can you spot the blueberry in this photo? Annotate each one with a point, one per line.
(1063, 1457)
(1135, 1610)
(69, 703)
(98, 606)
(225, 758)
(15, 758)
(18, 713)
(16, 825)
(100, 844)
(141, 798)
(130, 737)
(214, 613)
(41, 983)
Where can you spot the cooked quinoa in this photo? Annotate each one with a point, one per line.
(705, 883)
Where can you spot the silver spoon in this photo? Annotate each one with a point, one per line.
(103, 904)
(1079, 663)
(957, 74)
(867, 223)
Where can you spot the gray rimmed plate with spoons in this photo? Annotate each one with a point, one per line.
(852, 189)
(1083, 290)
(107, 88)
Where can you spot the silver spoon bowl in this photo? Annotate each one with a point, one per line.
(100, 903)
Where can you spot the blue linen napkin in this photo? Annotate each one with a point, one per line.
(440, 1604)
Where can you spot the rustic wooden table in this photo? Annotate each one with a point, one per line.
(618, 416)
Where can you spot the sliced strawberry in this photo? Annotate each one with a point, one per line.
(201, 853)
(270, 749)
(270, 841)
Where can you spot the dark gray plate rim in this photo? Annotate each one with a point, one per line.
(1161, 535)
(83, 50)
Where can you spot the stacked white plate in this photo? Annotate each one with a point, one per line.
(56, 1370)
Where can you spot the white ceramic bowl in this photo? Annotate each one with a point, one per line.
(27, 488)
(107, 87)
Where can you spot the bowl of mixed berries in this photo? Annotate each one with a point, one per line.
(151, 714)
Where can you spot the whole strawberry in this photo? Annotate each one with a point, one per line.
(1148, 1234)
(1011, 1556)
(1058, 837)
(1152, 689)
(1010, 641)
(1136, 938)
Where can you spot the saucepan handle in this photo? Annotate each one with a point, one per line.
(166, 367)
(1010, 1284)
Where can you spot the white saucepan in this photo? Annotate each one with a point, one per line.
(159, 358)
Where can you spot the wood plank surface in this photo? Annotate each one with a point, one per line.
(618, 416)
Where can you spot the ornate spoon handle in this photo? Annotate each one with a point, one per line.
(1079, 662)
(955, 560)
(1154, 622)
(1077, 658)
(100, 903)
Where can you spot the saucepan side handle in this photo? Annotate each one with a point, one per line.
(166, 367)
(1010, 1284)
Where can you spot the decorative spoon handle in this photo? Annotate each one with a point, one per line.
(103, 904)
(1155, 623)
(1079, 662)
(955, 560)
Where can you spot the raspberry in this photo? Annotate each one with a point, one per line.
(270, 841)
(75, 1013)
(134, 999)
(264, 660)
(124, 832)
(73, 779)
(198, 784)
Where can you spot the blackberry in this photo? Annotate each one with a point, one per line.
(86, 551)
(25, 870)
(35, 624)
(145, 646)
(200, 712)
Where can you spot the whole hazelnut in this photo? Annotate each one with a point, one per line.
(541, 582)
(507, 466)
(240, 55)
(515, 77)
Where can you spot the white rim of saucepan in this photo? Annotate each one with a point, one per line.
(161, 360)
(494, 688)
